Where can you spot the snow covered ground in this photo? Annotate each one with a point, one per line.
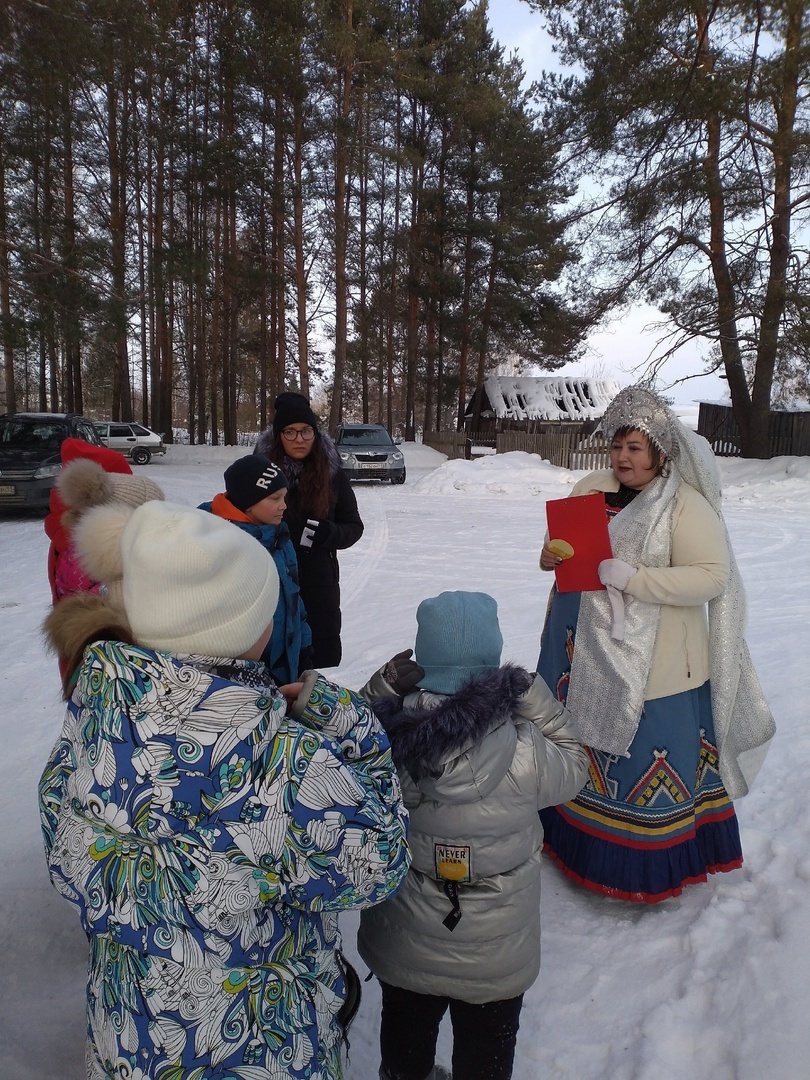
(714, 985)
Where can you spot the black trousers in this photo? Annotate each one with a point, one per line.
(483, 1035)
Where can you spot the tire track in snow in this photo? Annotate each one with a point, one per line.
(359, 562)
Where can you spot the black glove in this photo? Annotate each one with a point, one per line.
(314, 533)
(306, 660)
(403, 674)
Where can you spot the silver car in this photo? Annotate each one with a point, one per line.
(367, 452)
(134, 440)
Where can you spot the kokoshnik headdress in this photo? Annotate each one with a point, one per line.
(638, 408)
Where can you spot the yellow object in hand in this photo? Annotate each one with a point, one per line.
(561, 548)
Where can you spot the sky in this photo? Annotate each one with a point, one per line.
(713, 985)
(622, 349)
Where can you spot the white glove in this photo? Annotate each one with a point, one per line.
(616, 572)
(308, 534)
(615, 575)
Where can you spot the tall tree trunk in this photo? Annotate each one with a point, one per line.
(216, 322)
(362, 307)
(142, 244)
(466, 300)
(486, 319)
(298, 245)
(157, 261)
(122, 394)
(393, 280)
(166, 421)
(784, 150)
(344, 75)
(73, 366)
(265, 330)
(279, 356)
(51, 356)
(8, 392)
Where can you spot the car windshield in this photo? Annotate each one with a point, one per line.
(33, 433)
(365, 436)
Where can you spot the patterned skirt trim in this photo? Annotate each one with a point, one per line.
(645, 826)
(614, 855)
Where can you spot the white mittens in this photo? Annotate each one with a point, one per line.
(616, 572)
(615, 575)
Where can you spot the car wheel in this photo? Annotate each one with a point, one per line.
(141, 456)
(400, 479)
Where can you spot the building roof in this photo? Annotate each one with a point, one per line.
(552, 397)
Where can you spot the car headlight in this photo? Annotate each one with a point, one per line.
(396, 456)
(347, 457)
(44, 471)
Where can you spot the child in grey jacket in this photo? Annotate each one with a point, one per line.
(480, 748)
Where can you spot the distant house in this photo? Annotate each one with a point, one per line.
(538, 403)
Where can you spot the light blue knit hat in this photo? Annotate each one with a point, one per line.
(457, 639)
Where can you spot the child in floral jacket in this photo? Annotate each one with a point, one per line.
(208, 826)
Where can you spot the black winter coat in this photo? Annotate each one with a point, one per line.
(318, 570)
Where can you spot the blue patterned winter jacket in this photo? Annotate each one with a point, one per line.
(209, 840)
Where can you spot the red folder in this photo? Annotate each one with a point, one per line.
(582, 521)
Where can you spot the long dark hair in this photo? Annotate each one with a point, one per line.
(311, 476)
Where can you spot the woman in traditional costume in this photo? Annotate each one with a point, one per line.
(665, 697)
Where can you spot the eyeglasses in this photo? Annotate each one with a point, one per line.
(306, 434)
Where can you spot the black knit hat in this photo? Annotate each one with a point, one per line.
(251, 479)
(292, 409)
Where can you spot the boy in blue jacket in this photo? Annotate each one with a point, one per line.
(255, 500)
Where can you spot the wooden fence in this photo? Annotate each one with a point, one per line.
(568, 449)
(451, 443)
(789, 431)
(567, 446)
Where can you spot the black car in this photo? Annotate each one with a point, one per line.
(367, 452)
(30, 454)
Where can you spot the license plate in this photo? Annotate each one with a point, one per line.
(371, 465)
(7, 489)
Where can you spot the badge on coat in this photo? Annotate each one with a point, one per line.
(452, 862)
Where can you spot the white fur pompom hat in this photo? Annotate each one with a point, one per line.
(190, 582)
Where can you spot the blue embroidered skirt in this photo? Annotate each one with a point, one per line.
(644, 826)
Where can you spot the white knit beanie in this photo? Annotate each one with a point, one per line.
(193, 582)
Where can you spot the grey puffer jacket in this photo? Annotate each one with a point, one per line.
(475, 768)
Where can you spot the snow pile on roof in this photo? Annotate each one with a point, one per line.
(549, 397)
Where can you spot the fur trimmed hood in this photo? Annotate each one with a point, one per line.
(77, 621)
(435, 728)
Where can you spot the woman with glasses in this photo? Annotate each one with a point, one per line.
(321, 514)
